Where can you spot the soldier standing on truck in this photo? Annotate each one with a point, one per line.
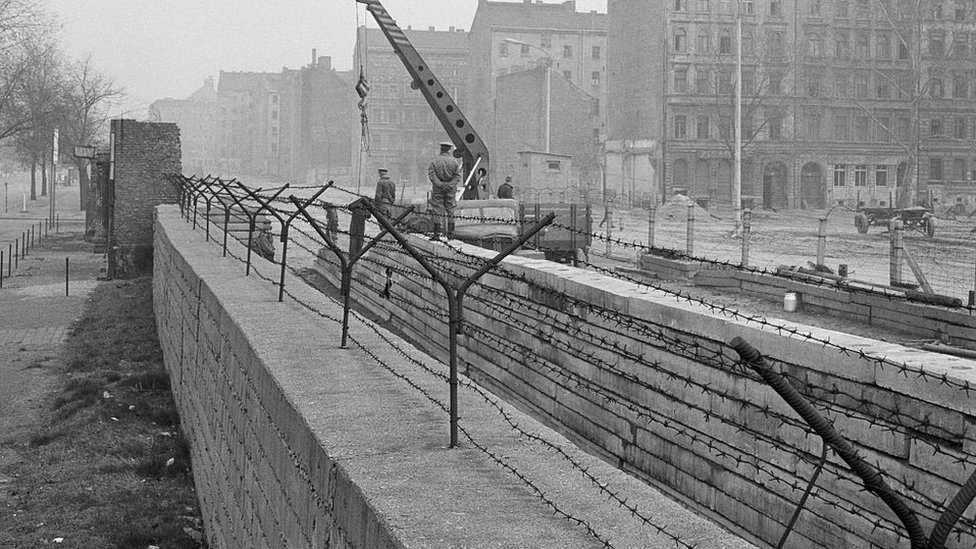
(385, 193)
(505, 190)
(444, 173)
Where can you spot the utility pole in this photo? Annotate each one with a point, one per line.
(737, 176)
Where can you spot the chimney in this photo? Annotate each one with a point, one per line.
(431, 29)
(325, 62)
(314, 56)
(450, 29)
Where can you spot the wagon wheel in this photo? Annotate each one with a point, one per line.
(929, 225)
(861, 223)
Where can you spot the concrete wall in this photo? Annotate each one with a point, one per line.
(875, 308)
(297, 442)
(145, 153)
(680, 414)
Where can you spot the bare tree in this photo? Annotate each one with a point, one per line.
(38, 95)
(22, 25)
(87, 98)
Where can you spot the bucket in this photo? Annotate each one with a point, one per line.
(789, 302)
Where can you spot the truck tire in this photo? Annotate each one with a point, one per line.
(861, 223)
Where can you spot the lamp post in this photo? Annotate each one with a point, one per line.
(549, 63)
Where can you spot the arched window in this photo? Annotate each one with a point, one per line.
(679, 178)
(680, 41)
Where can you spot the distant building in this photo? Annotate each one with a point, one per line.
(512, 37)
(329, 121)
(198, 119)
(259, 117)
(841, 102)
(403, 130)
(522, 117)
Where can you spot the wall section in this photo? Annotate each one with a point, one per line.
(717, 438)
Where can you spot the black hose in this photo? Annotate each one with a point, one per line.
(871, 477)
(951, 515)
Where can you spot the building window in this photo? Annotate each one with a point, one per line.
(960, 45)
(840, 175)
(843, 8)
(553, 165)
(812, 121)
(816, 8)
(881, 175)
(680, 126)
(842, 85)
(861, 86)
(680, 80)
(748, 7)
(960, 8)
(861, 175)
(704, 40)
(703, 81)
(960, 87)
(814, 45)
(546, 40)
(725, 127)
(841, 128)
(725, 86)
(775, 85)
(775, 7)
(503, 49)
(595, 79)
(775, 125)
(862, 45)
(775, 44)
(884, 46)
(935, 127)
(703, 128)
(882, 89)
(567, 52)
(936, 44)
(680, 5)
(936, 87)
(568, 75)
(596, 52)
(704, 6)
(680, 41)
(902, 48)
(883, 129)
(935, 169)
(842, 45)
(862, 125)
(959, 169)
(959, 128)
(725, 42)
(524, 50)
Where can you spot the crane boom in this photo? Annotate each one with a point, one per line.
(468, 144)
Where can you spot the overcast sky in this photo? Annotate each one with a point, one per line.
(166, 48)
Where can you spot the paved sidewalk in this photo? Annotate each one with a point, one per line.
(35, 319)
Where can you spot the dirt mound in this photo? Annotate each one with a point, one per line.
(677, 207)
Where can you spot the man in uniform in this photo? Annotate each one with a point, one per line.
(444, 173)
(385, 193)
(263, 244)
(505, 190)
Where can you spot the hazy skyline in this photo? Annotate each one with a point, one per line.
(157, 49)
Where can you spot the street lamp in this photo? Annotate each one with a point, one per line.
(549, 64)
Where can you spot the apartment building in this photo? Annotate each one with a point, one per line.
(843, 100)
(403, 130)
(513, 37)
(198, 119)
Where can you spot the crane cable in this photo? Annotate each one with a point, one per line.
(362, 89)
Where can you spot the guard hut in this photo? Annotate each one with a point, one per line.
(542, 175)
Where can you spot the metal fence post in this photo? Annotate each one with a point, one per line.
(690, 236)
(651, 221)
(746, 230)
(895, 255)
(822, 242)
